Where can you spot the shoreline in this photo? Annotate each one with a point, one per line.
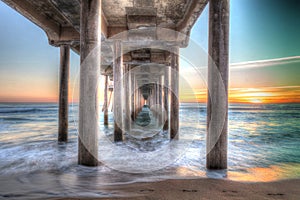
(204, 188)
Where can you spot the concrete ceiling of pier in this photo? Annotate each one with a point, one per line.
(61, 18)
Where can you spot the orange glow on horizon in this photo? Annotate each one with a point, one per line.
(262, 95)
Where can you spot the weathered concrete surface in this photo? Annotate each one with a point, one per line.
(166, 98)
(89, 73)
(132, 93)
(118, 94)
(160, 101)
(63, 93)
(127, 97)
(105, 104)
(174, 102)
(217, 124)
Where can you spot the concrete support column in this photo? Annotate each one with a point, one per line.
(150, 98)
(157, 100)
(132, 96)
(217, 128)
(157, 93)
(138, 103)
(174, 108)
(160, 101)
(154, 99)
(134, 101)
(129, 82)
(135, 108)
(90, 41)
(141, 100)
(153, 96)
(105, 106)
(63, 93)
(118, 87)
(127, 98)
(166, 98)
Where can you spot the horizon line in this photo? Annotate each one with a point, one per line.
(201, 102)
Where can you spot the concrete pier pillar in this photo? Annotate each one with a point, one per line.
(118, 87)
(160, 101)
(141, 101)
(138, 103)
(156, 100)
(150, 98)
(90, 41)
(153, 96)
(105, 106)
(157, 93)
(132, 93)
(127, 98)
(166, 98)
(217, 129)
(63, 93)
(174, 107)
(135, 98)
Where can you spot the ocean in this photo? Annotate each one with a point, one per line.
(263, 146)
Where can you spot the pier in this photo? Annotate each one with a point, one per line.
(135, 44)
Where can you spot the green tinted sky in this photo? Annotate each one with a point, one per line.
(259, 29)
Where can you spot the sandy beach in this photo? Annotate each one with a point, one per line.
(204, 189)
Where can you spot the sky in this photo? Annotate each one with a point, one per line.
(264, 56)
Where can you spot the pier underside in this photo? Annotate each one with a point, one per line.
(135, 44)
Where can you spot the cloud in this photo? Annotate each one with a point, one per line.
(248, 64)
(265, 63)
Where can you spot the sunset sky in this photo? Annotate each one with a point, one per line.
(264, 56)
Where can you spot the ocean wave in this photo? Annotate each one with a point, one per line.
(20, 110)
(15, 119)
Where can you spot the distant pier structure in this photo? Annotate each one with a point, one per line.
(139, 40)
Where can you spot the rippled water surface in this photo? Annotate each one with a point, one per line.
(263, 146)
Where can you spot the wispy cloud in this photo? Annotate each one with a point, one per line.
(251, 64)
(265, 63)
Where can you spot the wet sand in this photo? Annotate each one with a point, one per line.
(204, 189)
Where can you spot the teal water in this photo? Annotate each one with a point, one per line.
(263, 143)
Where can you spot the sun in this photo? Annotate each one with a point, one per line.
(255, 101)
